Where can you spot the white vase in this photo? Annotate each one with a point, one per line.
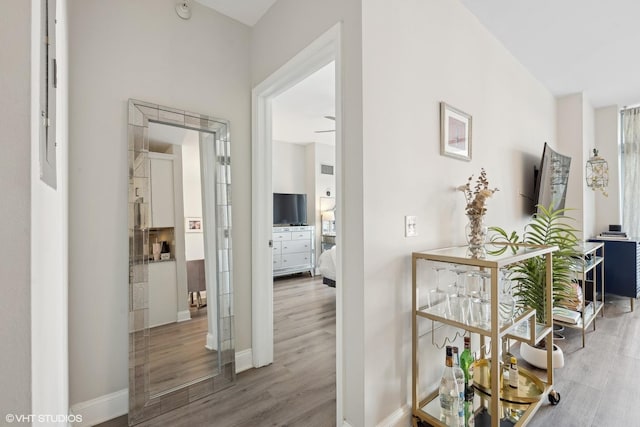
(537, 356)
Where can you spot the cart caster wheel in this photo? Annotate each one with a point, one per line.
(554, 397)
(417, 422)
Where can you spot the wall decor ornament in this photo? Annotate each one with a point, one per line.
(455, 132)
(597, 173)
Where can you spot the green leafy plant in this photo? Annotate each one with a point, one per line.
(547, 227)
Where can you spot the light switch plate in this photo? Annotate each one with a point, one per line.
(410, 229)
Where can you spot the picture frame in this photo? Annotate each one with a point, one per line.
(193, 225)
(455, 132)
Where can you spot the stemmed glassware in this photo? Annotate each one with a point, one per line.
(438, 298)
(507, 306)
(458, 299)
(479, 292)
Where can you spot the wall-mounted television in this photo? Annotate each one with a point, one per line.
(552, 179)
(289, 209)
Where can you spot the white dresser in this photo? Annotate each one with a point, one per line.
(293, 250)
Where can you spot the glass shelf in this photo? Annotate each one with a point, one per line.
(511, 414)
(510, 254)
(518, 328)
(589, 315)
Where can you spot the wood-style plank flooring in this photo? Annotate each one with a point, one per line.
(598, 383)
(177, 353)
(298, 389)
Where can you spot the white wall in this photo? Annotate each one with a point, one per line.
(15, 210)
(607, 121)
(289, 167)
(576, 138)
(286, 28)
(323, 154)
(588, 144)
(436, 51)
(192, 193)
(122, 49)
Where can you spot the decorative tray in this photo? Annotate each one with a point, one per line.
(530, 387)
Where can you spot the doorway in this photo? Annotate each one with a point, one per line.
(321, 52)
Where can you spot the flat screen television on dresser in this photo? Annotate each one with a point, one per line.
(289, 209)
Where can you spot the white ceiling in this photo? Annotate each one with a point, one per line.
(570, 46)
(246, 11)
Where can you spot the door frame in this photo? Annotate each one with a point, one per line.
(320, 52)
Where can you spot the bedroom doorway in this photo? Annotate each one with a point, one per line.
(318, 55)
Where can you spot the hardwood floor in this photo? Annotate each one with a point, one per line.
(177, 353)
(298, 389)
(597, 383)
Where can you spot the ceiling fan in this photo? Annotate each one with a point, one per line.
(329, 130)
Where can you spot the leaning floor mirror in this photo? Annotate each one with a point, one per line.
(181, 345)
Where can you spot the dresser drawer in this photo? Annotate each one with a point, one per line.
(279, 237)
(277, 248)
(301, 235)
(294, 260)
(277, 262)
(294, 246)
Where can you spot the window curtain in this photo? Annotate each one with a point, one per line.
(631, 171)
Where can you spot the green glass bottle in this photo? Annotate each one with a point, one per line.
(466, 363)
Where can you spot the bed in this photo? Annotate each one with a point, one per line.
(327, 267)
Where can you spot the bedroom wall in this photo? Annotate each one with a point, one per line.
(15, 187)
(437, 51)
(122, 49)
(289, 167)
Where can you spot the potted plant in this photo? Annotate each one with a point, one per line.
(548, 227)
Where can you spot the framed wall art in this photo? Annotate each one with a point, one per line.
(455, 132)
(193, 225)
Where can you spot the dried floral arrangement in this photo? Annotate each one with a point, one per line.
(477, 197)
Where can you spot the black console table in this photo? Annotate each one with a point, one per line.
(622, 275)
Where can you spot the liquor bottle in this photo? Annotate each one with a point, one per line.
(505, 363)
(513, 373)
(466, 364)
(448, 392)
(469, 416)
(459, 374)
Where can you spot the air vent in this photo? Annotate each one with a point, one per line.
(326, 169)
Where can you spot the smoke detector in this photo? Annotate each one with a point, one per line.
(183, 9)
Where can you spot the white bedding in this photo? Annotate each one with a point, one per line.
(327, 263)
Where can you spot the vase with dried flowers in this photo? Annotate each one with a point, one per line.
(476, 197)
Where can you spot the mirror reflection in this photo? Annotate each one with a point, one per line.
(181, 344)
(182, 347)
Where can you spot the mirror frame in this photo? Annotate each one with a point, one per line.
(142, 406)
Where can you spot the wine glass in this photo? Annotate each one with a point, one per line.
(459, 300)
(507, 305)
(437, 298)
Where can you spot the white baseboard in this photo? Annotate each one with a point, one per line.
(101, 409)
(401, 417)
(184, 315)
(345, 424)
(244, 360)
